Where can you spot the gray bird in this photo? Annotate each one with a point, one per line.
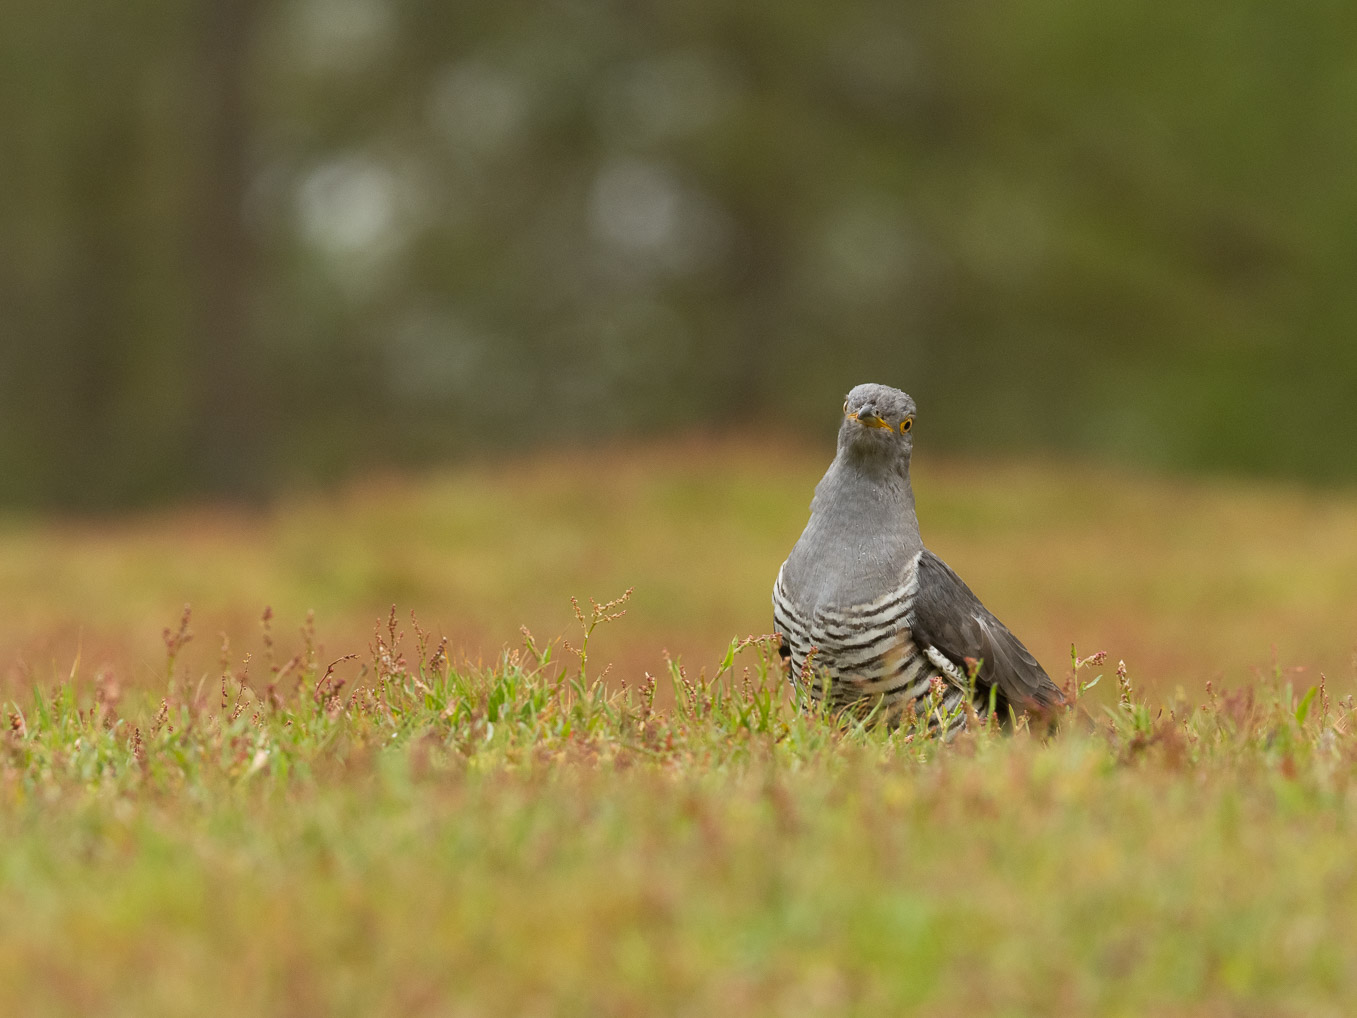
(877, 614)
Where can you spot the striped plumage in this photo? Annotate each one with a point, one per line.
(865, 649)
(866, 611)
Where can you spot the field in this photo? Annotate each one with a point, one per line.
(487, 828)
(1187, 581)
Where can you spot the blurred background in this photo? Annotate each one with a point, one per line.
(252, 248)
(253, 243)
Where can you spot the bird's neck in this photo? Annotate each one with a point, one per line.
(868, 489)
(862, 530)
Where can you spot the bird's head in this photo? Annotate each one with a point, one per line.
(878, 423)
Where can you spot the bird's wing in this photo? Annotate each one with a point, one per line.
(949, 619)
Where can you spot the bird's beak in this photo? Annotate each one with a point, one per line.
(870, 421)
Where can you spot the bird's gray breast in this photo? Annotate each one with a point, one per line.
(864, 648)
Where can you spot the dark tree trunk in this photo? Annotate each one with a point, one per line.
(228, 438)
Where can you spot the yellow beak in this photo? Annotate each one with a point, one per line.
(870, 421)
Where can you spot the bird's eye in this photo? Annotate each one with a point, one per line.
(845, 406)
(906, 424)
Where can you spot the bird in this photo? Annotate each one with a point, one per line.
(868, 620)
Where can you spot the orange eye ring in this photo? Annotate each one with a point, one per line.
(906, 424)
(845, 406)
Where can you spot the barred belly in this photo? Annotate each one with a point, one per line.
(864, 654)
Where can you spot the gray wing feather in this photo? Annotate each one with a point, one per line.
(950, 618)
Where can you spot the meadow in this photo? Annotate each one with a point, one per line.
(1188, 581)
(437, 814)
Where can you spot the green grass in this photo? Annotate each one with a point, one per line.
(526, 840)
(440, 837)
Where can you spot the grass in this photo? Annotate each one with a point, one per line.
(419, 824)
(1186, 581)
(522, 839)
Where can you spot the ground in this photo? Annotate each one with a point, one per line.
(409, 833)
(1188, 581)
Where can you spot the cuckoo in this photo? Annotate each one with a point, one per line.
(868, 618)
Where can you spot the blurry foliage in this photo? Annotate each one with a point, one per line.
(252, 243)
